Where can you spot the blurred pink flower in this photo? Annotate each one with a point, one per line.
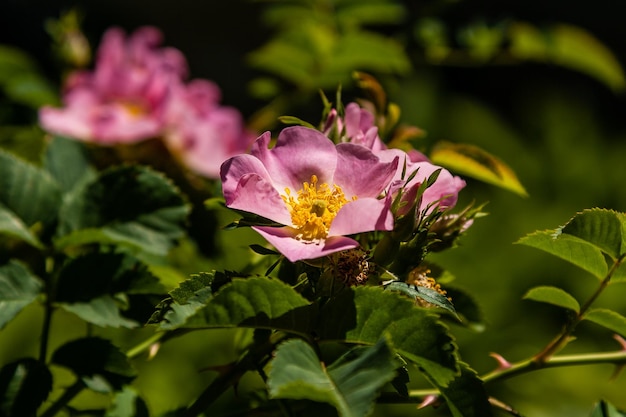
(137, 91)
(125, 98)
(319, 191)
(205, 134)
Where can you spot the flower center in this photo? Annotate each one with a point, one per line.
(314, 208)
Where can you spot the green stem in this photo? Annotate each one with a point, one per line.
(565, 336)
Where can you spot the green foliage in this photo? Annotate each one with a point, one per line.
(97, 362)
(27, 191)
(350, 384)
(24, 386)
(12, 227)
(584, 241)
(131, 206)
(18, 288)
(609, 319)
(513, 42)
(553, 295)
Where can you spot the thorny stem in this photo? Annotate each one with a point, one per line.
(565, 336)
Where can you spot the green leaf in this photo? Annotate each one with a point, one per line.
(18, 288)
(28, 191)
(466, 395)
(605, 409)
(101, 287)
(96, 361)
(127, 403)
(12, 226)
(472, 161)
(609, 319)
(24, 386)
(601, 228)
(350, 384)
(570, 47)
(553, 295)
(362, 314)
(58, 152)
(569, 248)
(102, 311)
(247, 302)
(427, 294)
(131, 206)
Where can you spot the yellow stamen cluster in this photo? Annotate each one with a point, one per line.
(134, 108)
(314, 208)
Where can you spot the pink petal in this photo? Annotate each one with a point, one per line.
(362, 215)
(360, 172)
(283, 239)
(299, 153)
(247, 186)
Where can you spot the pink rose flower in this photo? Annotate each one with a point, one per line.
(319, 191)
(125, 98)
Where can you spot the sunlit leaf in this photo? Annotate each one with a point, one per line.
(361, 315)
(24, 385)
(568, 46)
(569, 248)
(600, 227)
(609, 319)
(132, 206)
(18, 288)
(12, 226)
(96, 361)
(472, 161)
(553, 295)
(606, 409)
(28, 191)
(250, 302)
(350, 384)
